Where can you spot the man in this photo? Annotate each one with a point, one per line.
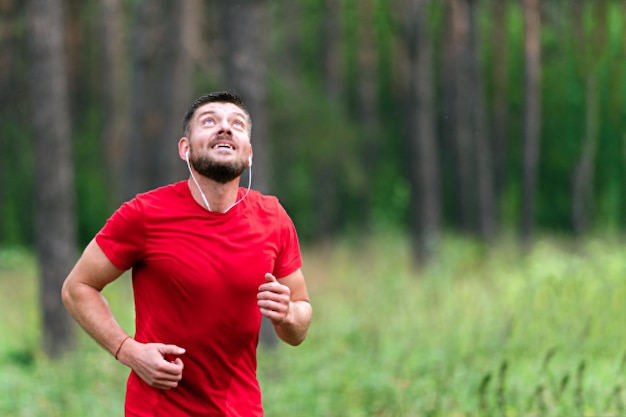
(208, 259)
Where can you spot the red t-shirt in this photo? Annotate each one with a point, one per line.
(195, 279)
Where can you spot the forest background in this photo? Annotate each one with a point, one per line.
(488, 119)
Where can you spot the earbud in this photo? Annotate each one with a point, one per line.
(187, 155)
(250, 161)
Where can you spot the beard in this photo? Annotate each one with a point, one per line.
(217, 171)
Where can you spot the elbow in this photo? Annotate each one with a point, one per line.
(66, 295)
(297, 342)
(293, 341)
(291, 336)
(70, 294)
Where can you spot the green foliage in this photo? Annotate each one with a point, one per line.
(324, 139)
(92, 203)
(326, 131)
(16, 182)
(479, 332)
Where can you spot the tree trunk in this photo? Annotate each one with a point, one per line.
(290, 28)
(624, 165)
(115, 92)
(333, 59)
(624, 102)
(484, 159)
(450, 169)
(464, 140)
(6, 57)
(325, 170)
(500, 94)
(424, 156)
(367, 102)
(162, 93)
(532, 114)
(591, 50)
(582, 187)
(54, 178)
(177, 82)
(146, 43)
(74, 64)
(245, 72)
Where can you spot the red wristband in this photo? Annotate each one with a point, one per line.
(117, 352)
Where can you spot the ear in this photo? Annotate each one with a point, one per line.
(183, 148)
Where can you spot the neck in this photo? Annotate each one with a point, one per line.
(214, 196)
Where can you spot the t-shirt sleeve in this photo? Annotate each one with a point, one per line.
(122, 237)
(289, 257)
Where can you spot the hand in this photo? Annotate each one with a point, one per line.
(274, 300)
(149, 362)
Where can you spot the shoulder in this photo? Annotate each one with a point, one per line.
(165, 195)
(167, 191)
(150, 203)
(265, 204)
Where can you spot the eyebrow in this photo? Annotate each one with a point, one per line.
(236, 113)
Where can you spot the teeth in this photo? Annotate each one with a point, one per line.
(222, 145)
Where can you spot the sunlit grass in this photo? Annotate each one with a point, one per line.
(476, 333)
(479, 332)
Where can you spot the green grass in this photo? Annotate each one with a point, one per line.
(480, 332)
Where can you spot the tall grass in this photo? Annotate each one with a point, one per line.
(479, 332)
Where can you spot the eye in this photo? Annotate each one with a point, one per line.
(208, 122)
(239, 124)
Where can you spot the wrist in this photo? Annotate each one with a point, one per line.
(119, 347)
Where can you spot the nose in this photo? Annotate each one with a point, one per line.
(225, 128)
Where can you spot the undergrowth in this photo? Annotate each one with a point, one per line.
(478, 332)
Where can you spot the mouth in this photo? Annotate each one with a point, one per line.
(223, 145)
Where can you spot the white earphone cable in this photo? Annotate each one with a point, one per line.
(206, 203)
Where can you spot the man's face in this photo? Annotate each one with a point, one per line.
(219, 142)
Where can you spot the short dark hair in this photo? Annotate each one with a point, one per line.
(215, 97)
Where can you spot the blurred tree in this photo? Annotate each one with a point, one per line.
(591, 45)
(339, 91)
(333, 68)
(532, 114)
(244, 57)
(115, 93)
(500, 78)
(16, 148)
(161, 93)
(289, 38)
(463, 138)
(484, 154)
(54, 179)
(6, 32)
(423, 151)
(368, 114)
(623, 102)
(469, 138)
(326, 171)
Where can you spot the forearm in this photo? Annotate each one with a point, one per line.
(293, 330)
(92, 312)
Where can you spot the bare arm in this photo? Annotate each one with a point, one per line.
(286, 303)
(82, 297)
